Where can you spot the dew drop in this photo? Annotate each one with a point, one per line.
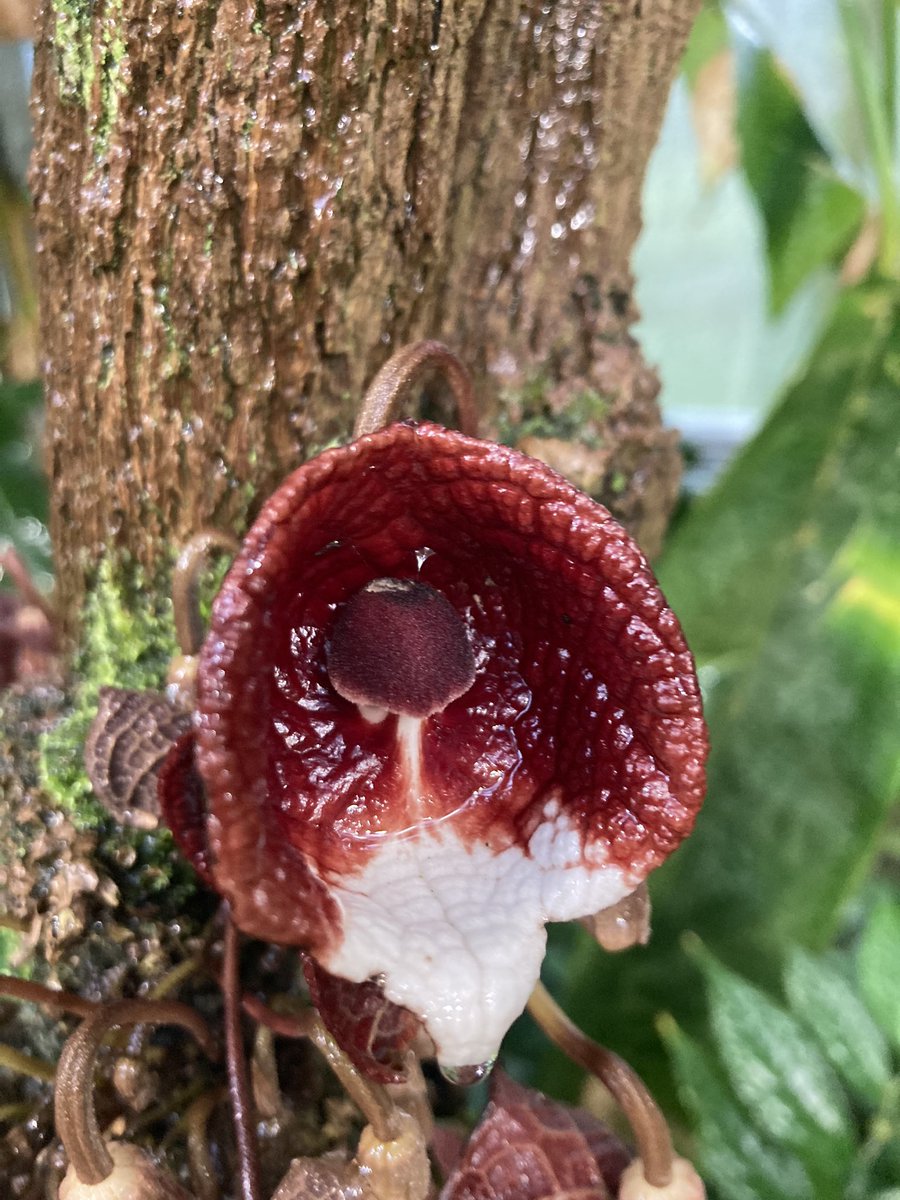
(466, 1076)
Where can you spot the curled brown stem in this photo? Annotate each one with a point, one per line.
(76, 1120)
(654, 1141)
(397, 375)
(298, 1025)
(192, 561)
(24, 989)
(238, 1075)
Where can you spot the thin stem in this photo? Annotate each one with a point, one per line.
(264, 1074)
(175, 977)
(76, 1120)
(24, 989)
(24, 1064)
(373, 1101)
(186, 577)
(370, 1098)
(200, 1163)
(293, 1026)
(17, 1114)
(398, 374)
(238, 1074)
(11, 562)
(628, 1089)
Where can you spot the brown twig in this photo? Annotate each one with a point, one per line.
(628, 1089)
(186, 576)
(24, 989)
(238, 1074)
(396, 377)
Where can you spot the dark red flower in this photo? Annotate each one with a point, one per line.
(528, 1147)
(442, 701)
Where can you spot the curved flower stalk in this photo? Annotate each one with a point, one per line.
(99, 1169)
(441, 702)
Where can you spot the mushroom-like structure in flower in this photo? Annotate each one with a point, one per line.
(442, 702)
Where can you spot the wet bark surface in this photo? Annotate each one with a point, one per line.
(243, 207)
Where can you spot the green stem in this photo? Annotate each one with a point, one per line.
(24, 1064)
(890, 26)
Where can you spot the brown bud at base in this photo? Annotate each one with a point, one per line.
(134, 1177)
(685, 1183)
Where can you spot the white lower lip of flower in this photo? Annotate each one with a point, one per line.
(456, 932)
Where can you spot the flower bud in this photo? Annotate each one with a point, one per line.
(398, 1169)
(135, 1176)
(685, 1183)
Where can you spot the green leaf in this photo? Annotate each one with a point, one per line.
(731, 1154)
(825, 1003)
(779, 1075)
(787, 581)
(709, 38)
(810, 215)
(879, 967)
(23, 489)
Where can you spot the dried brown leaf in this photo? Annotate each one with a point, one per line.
(125, 748)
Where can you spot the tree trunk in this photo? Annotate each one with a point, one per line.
(244, 205)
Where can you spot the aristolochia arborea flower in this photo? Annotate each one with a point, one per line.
(442, 702)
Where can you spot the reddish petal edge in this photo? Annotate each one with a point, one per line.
(183, 803)
(372, 1032)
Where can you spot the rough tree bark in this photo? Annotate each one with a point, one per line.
(243, 205)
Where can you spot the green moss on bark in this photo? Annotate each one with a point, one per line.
(533, 411)
(90, 48)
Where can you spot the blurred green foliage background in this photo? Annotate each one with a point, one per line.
(766, 1009)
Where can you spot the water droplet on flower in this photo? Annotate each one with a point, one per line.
(466, 1076)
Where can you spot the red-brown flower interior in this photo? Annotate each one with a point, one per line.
(584, 693)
